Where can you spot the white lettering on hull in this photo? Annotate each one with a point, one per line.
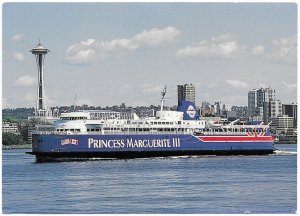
(134, 143)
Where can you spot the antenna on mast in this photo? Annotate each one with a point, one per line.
(163, 93)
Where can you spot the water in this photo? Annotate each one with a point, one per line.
(228, 184)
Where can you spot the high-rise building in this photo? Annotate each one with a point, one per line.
(219, 108)
(265, 95)
(275, 108)
(291, 111)
(226, 107)
(258, 102)
(205, 109)
(186, 92)
(252, 102)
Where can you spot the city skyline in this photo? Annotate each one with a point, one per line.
(127, 52)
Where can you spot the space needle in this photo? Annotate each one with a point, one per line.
(40, 52)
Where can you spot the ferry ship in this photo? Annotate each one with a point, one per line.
(103, 134)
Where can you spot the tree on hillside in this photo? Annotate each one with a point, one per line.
(11, 139)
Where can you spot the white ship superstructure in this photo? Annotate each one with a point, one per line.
(164, 122)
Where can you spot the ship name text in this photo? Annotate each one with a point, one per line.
(134, 143)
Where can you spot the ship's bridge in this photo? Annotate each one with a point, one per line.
(75, 116)
(170, 115)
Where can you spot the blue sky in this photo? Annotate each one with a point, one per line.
(110, 53)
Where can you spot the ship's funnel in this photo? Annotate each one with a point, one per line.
(189, 110)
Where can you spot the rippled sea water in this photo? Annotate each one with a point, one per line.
(203, 184)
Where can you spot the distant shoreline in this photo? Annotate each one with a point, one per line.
(23, 146)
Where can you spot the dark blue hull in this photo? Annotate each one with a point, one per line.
(48, 147)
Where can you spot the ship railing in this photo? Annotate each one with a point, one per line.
(143, 132)
(58, 133)
(225, 133)
(120, 132)
(110, 132)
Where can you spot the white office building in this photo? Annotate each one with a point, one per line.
(282, 122)
(259, 102)
(8, 127)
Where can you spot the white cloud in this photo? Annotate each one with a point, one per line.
(289, 86)
(237, 84)
(82, 56)
(258, 50)
(18, 56)
(26, 81)
(223, 46)
(223, 38)
(285, 49)
(156, 37)
(289, 41)
(17, 38)
(88, 42)
(91, 50)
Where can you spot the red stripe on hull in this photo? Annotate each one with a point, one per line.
(235, 138)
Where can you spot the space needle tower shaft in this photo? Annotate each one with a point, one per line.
(40, 52)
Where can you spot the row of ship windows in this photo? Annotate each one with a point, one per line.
(78, 130)
(147, 129)
(178, 129)
(64, 130)
(153, 123)
(93, 129)
(73, 118)
(163, 129)
(171, 123)
(123, 129)
(136, 129)
(153, 129)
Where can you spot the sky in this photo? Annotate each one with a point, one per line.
(112, 53)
